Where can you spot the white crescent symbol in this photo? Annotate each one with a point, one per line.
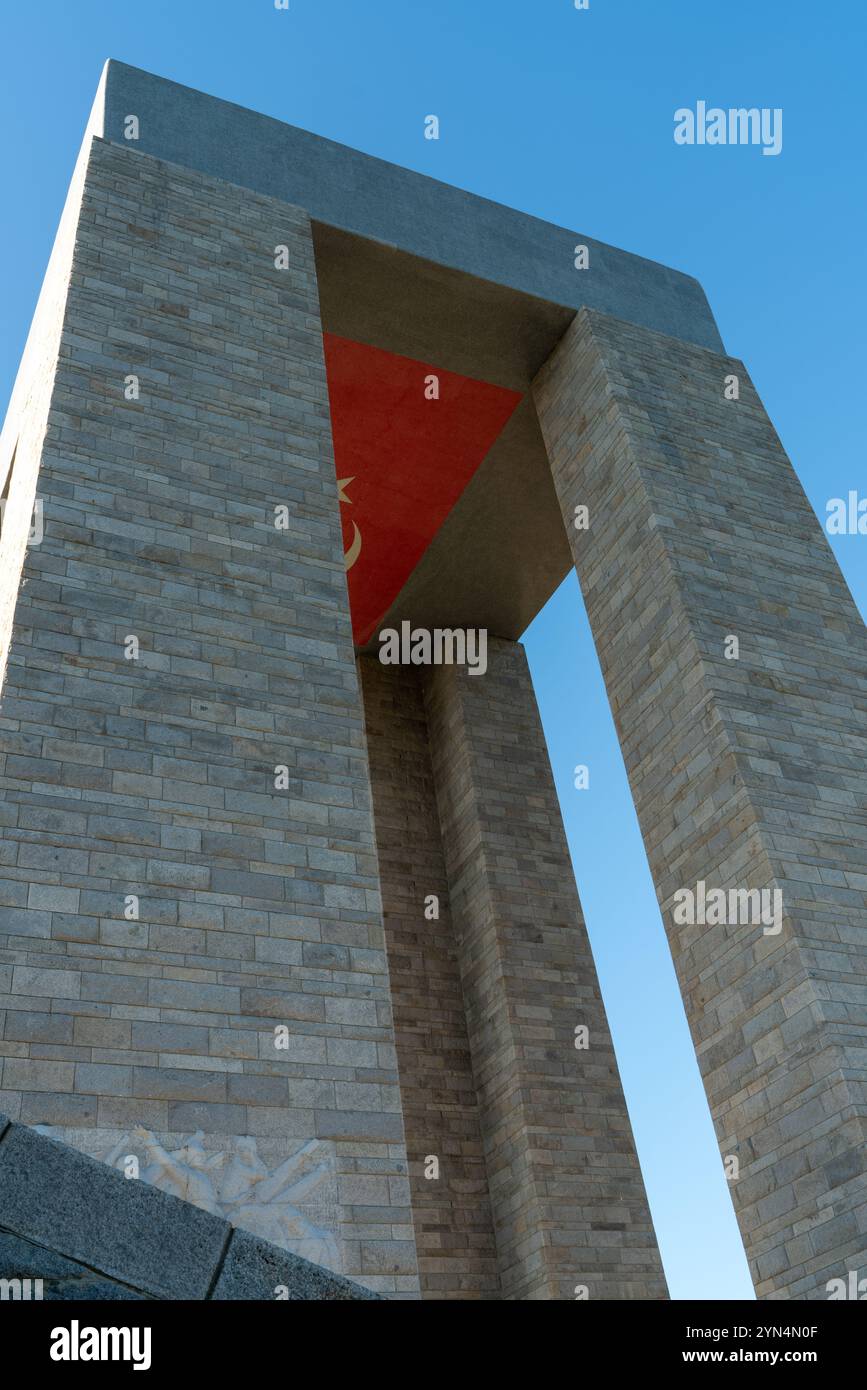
(351, 555)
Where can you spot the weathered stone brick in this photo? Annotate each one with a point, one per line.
(559, 1152)
(154, 777)
(747, 773)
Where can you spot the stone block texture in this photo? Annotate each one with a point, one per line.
(220, 832)
(747, 773)
(451, 1206)
(567, 1196)
(153, 778)
(24, 428)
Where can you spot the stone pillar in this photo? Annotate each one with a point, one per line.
(566, 1190)
(451, 1206)
(192, 939)
(746, 762)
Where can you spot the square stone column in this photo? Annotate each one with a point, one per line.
(570, 1212)
(451, 1205)
(191, 935)
(736, 666)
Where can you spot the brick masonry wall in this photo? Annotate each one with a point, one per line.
(567, 1193)
(154, 777)
(23, 431)
(746, 773)
(452, 1212)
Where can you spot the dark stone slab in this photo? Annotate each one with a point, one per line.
(90, 1234)
(61, 1279)
(56, 1197)
(254, 1269)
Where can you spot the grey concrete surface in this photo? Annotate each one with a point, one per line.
(57, 1197)
(54, 1278)
(255, 1269)
(89, 1233)
(344, 188)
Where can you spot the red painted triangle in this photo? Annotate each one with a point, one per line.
(409, 459)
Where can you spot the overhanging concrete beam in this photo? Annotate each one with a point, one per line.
(344, 188)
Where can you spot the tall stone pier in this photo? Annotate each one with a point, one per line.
(537, 1145)
(290, 930)
(736, 665)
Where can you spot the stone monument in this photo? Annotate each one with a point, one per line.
(296, 929)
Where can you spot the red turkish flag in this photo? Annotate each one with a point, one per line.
(402, 461)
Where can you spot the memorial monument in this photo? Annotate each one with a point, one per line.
(295, 928)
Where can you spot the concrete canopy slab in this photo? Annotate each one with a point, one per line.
(342, 187)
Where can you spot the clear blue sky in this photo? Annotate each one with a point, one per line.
(567, 115)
